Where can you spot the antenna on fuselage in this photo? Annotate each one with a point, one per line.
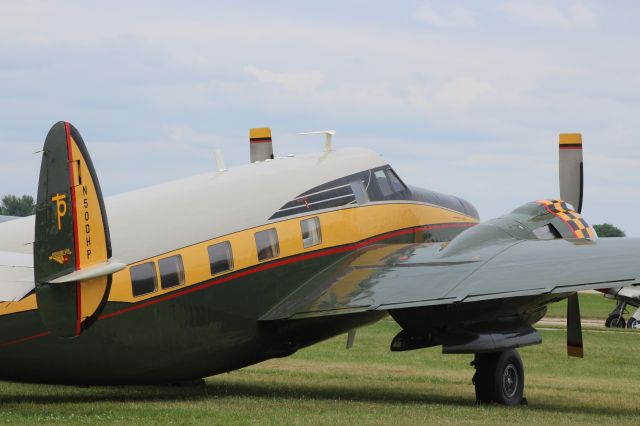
(219, 161)
(328, 135)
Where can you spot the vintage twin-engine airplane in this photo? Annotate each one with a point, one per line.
(224, 270)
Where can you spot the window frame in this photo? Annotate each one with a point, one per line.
(180, 271)
(318, 228)
(229, 259)
(275, 248)
(155, 279)
(383, 179)
(392, 174)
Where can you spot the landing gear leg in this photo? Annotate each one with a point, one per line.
(499, 378)
(615, 318)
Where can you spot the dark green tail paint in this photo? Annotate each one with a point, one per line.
(55, 248)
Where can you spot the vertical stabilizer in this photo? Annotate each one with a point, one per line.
(72, 245)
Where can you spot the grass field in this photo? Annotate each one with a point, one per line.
(327, 384)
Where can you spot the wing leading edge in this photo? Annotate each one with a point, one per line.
(403, 276)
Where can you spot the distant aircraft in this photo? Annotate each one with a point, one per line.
(626, 296)
(220, 271)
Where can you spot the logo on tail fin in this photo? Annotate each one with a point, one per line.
(62, 256)
(61, 207)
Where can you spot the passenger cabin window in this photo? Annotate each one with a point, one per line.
(311, 235)
(143, 279)
(171, 271)
(220, 258)
(267, 244)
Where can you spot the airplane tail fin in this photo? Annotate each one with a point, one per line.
(72, 248)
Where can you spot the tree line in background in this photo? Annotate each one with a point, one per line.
(608, 230)
(12, 205)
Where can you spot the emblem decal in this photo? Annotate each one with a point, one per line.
(574, 221)
(61, 207)
(61, 257)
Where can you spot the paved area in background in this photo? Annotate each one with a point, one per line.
(562, 322)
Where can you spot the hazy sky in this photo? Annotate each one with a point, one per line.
(462, 97)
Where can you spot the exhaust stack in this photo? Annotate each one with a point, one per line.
(260, 142)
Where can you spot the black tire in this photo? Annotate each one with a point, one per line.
(499, 378)
(633, 323)
(615, 321)
(509, 378)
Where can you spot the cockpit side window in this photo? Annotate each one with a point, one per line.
(396, 183)
(383, 183)
(380, 184)
(389, 186)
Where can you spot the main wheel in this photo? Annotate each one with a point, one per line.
(633, 323)
(509, 378)
(615, 321)
(499, 377)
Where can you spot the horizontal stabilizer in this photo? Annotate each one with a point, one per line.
(98, 271)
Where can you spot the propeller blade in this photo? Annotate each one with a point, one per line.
(571, 173)
(351, 338)
(574, 327)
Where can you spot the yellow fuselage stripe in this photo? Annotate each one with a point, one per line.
(339, 227)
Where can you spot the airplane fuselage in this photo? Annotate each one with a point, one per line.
(235, 243)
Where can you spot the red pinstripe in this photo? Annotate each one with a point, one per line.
(260, 268)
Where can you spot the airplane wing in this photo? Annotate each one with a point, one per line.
(16, 276)
(400, 276)
(7, 218)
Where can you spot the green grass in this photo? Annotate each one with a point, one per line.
(592, 306)
(327, 384)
